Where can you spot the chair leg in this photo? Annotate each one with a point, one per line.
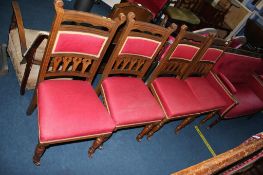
(25, 77)
(156, 128)
(214, 123)
(33, 104)
(208, 117)
(184, 123)
(97, 144)
(39, 151)
(145, 131)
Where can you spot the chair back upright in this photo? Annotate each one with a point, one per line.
(77, 43)
(141, 13)
(181, 54)
(215, 50)
(137, 47)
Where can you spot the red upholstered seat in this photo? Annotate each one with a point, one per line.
(130, 102)
(249, 102)
(154, 5)
(70, 109)
(176, 97)
(206, 94)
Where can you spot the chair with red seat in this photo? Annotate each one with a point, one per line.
(178, 98)
(70, 110)
(126, 96)
(239, 71)
(183, 50)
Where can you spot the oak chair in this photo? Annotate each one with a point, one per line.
(25, 46)
(184, 50)
(241, 82)
(128, 100)
(70, 110)
(141, 13)
(178, 98)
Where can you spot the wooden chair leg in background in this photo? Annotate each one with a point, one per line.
(97, 144)
(25, 78)
(214, 122)
(208, 117)
(156, 128)
(145, 131)
(3, 60)
(39, 151)
(185, 122)
(33, 104)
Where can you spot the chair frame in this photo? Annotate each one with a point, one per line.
(141, 13)
(28, 53)
(231, 95)
(115, 66)
(54, 66)
(192, 67)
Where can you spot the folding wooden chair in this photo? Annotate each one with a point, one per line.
(70, 110)
(128, 100)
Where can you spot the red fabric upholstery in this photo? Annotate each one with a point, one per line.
(130, 101)
(249, 102)
(212, 55)
(261, 77)
(227, 83)
(219, 86)
(206, 94)
(256, 85)
(78, 42)
(238, 68)
(140, 46)
(185, 52)
(70, 109)
(176, 97)
(154, 5)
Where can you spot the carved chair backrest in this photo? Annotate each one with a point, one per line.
(186, 49)
(141, 13)
(77, 43)
(137, 47)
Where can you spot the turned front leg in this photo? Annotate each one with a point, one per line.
(156, 128)
(145, 131)
(97, 144)
(208, 117)
(39, 151)
(184, 123)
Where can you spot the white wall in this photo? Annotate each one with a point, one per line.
(111, 2)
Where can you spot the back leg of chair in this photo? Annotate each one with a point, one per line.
(214, 122)
(208, 117)
(39, 151)
(25, 77)
(33, 104)
(145, 131)
(97, 144)
(185, 122)
(156, 128)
